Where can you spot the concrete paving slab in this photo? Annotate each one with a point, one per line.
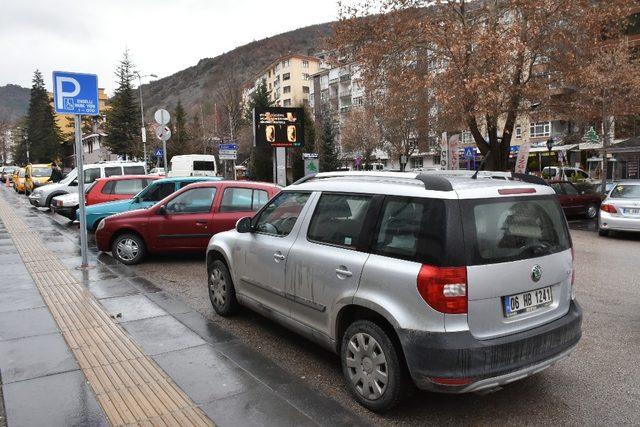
(169, 303)
(56, 400)
(132, 307)
(204, 374)
(206, 329)
(26, 323)
(31, 357)
(109, 288)
(144, 285)
(17, 281)
(20, 299)
(8, 259)
(162, 334)
(259, 407)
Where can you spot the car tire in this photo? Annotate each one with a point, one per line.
(222, 293)
(603, 233)
(362, 343)
(592, 211)
(129, 249)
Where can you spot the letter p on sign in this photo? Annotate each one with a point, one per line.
(61, 94)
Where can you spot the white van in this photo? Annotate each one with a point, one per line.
(42, 196)
(193, 165)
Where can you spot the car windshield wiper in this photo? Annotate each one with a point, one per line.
(538, 249)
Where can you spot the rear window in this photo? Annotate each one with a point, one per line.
(200, 165)
(41, 172)
(626, 192)
(503, 230)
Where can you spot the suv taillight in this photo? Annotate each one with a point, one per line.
(444, 288)
(608, 208)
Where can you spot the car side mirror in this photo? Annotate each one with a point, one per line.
(162, 210)
(244, 225)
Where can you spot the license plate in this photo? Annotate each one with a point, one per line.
(527, 301)
(632, 211)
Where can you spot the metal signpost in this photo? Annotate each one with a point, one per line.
(163, 133)
(77, 94)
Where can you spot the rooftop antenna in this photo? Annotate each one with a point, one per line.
(481, 165)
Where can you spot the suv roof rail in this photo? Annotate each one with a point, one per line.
(431, 182)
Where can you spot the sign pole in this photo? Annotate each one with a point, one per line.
(80, 168)
(164, 146)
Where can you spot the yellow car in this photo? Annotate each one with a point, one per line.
(18, 180)
(35, 176)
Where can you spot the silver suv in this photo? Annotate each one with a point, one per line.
(458, 284)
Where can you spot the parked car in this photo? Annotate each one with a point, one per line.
(102, 190)
(467, 283)
(184, 221)
(565, 173)
(193, 165)
(18, 180)
(148, 197)
(157, 171)
(43, 196)
(6, 172)
(36, 176)
(620, 211)
(575, 201)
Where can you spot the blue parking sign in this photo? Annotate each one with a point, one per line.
(75, 93)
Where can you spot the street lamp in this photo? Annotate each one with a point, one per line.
(550, 143)
(143, 129)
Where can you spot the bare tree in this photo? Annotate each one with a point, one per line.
(360, 134)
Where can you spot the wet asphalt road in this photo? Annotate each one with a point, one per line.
(598, 384)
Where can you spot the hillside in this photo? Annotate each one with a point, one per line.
(196, 85)
(14, 101)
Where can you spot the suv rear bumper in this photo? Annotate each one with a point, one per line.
(488, 363)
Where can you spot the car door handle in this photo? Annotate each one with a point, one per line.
(342, 271)
(279, 257)
(201, 222)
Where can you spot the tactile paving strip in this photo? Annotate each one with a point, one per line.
(131, 388)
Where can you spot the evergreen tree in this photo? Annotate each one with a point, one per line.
(19, 148)
(123, 119)
(42, 132)
(180, 142)
(309, 145)
(329, 160)
(261, 163)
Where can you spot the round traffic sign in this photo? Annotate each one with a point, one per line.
(162, 116)
(163, 133)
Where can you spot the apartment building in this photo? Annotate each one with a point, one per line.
(288, 80)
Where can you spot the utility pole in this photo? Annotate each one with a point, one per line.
(605, 143)
(143, 129)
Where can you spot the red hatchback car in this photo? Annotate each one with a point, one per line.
(119, 187)
(184, 221)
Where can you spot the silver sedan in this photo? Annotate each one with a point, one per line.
(620, 211)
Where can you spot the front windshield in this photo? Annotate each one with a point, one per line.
(41, 172)
(623, 191)
(69, 178)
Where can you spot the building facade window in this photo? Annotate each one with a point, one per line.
(285, 63)
(305, 76)
(540, 129)
(286, 103)
(518, 131)
(278, 93)
(417, 162)
(305, 89)
(305, 64)
(357, 101)
(286, 89)
(286, 76)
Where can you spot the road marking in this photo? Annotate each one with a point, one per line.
(131, 388)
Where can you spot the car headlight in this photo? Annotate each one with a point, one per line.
(37, 193)
(100, 225)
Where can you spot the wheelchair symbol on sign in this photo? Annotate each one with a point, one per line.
(68, 104)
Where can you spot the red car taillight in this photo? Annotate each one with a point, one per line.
(444, 288)
(608, 208)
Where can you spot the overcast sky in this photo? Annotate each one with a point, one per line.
(163, 36)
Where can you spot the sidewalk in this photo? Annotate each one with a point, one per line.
(104, 346)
